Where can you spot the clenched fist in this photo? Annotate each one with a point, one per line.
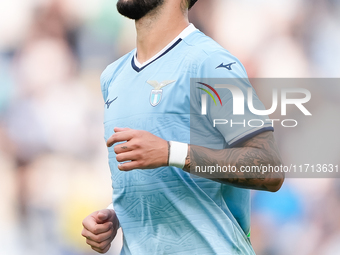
(100, 228)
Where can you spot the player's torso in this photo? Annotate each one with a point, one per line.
(162, 210)
(155, 99)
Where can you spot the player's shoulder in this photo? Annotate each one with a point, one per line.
(112, 70)
(211, 55)
(204, 46)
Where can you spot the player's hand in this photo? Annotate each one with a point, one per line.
(141, 149)
(100, 228)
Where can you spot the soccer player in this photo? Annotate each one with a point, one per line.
(161, 208)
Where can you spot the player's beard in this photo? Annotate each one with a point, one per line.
(137, 9)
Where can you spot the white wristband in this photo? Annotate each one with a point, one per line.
(177, 154)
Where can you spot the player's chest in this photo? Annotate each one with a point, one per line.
(147, 93)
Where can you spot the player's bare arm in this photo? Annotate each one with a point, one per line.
(144, 150)
(258, 150)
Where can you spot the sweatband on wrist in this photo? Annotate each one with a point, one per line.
(178, 153)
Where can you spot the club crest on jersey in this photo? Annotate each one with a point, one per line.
(157, 92)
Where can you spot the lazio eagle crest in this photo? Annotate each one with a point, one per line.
(157, 92)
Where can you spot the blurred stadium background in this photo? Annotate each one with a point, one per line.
(53, 166)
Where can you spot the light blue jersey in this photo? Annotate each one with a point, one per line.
(164, 210)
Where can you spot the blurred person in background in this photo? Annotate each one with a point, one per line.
(43, 65)
(164, 210)
(38, 122)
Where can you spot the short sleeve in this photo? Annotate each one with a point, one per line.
(110, 73)
(104, 83)
(217, 70)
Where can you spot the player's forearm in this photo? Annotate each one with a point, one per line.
(260, 150)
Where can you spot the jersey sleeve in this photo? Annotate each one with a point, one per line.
(228, 70)
(110, 73)
(105, 82)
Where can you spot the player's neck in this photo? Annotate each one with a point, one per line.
(156, 30)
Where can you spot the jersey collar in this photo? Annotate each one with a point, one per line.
(139, 67)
